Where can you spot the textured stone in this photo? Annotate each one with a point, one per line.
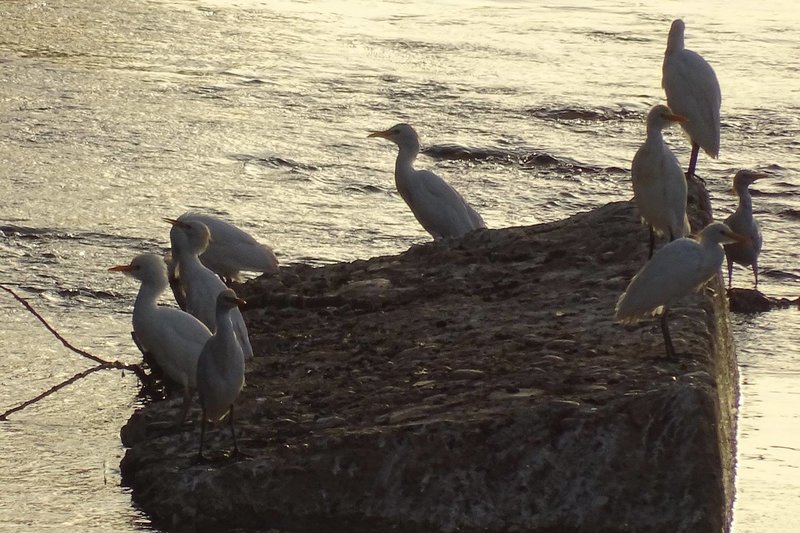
(477, 384)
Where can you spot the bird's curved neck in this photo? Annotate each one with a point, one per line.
(745, 200)
(405, 157)
(404, 167)
(675, 42)
(224, 327)
(654, 134)
(149, 292)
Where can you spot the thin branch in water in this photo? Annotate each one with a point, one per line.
(51, 390)
(64, 341)
(102, 364)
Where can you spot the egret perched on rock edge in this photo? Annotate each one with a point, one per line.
(231, 249)
(220, 369)
(174, 338)
(200, 285)
(675, 270)
(742, 222)
(692, 91)
(659, 186)
(435, 204)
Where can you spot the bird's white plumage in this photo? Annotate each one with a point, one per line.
(692, 90)
(232, 249)
(173, 338)
(438, 207)
(220, 368)
(200, 285)
(674, 271)
(742, 222)
(659, 185)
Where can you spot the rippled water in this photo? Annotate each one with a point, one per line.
(116, 116)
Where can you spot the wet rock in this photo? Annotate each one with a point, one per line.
(473, 384)
(753, 301)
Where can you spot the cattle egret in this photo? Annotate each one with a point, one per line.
(173, 338)
(659, 186)
(742, 222)
(200, 285)
(692, 91)
(435, 204)
(232, 250)
(220, 369)
(677, 269)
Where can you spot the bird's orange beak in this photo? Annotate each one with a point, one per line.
(176, 223)
(740, 238)
(121, 268)
(383, 134)
(677, 118)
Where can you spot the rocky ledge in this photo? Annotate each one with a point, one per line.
(478, 384)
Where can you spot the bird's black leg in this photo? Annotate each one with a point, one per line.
(667, 339)
(202, 432)
(652, 242)
(755, 272)
(730, 273)
(693, 159)
(233, 432)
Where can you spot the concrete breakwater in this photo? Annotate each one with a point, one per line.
(478, 384)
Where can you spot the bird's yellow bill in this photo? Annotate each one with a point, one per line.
(677, 118)
(382, 134)
(121, 268)
(176, 222)
(740, 238)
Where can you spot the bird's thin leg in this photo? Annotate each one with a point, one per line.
(652, 242)
(187, 400)
(667, 339)
(233, 432)
(693, 159)
(755, 272)
(202, 432)
(730, 273)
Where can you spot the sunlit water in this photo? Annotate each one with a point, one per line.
(116, 116)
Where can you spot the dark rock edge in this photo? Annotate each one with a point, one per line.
(477, 384)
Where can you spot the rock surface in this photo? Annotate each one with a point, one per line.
(477, 384)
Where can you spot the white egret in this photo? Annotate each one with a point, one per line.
(173, 338)
(220, 369)
(231, 249)
(659, 186)
(742, 222)
(437, 206)
(675, 270)
(200, 285)
(692, 91)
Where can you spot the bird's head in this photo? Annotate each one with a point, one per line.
(744, 178)
(191, 233)
(403, 135)
(145, 267)
(660, 116)
(227, 299)
(720, 233)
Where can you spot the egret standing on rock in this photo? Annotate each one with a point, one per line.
(659, 186)
(692, 91)
(200, 285)
(742, 222)
(173, 338)
(435, 204)
(677, 269)
(231, 249)
(220, 369)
